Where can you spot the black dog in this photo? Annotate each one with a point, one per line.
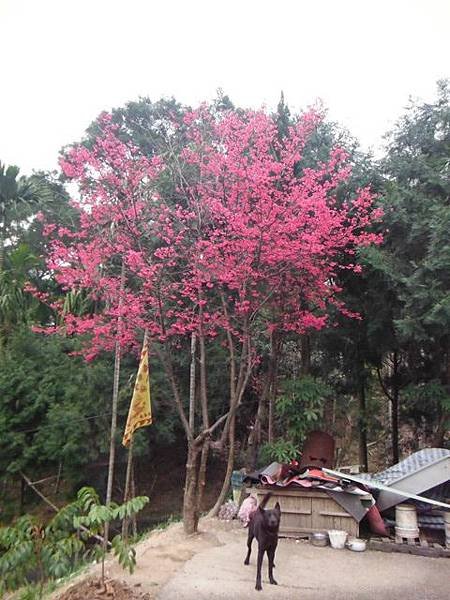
(264, 526)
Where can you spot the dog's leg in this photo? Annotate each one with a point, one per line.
(258, 585)
(249, 546)
(271, 556)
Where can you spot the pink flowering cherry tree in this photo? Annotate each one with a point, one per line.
(215, 239)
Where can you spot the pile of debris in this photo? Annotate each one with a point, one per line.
(422, 479)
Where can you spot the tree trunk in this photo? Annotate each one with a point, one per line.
(272, 383)
(395, 408)
(133, 495)
(269, 394)
(447, 366)
(195, 474)
(444, 414)
(190, 508)
(270, 420)
(192, 382)
(363, 459)
(305, 353)
(190, 500)
(230, 465)
(115, 397)
(2, 248)
(254, 437)
(22, 496)
(126, 494)
(237, 389)
(202, 476)
(58, 477)
(201, 481)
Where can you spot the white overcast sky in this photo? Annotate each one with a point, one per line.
(64, 61)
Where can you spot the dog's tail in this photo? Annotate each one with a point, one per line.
(265, 500)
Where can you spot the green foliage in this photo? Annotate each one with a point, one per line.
(45, 395)
(30, 550)
(17, 196)
(298, 410)
(281, 451)
(425, 399)
(126, 555)
(96, 516)
(55, 407)
(300, 406)
(16, 305)
(417, 215)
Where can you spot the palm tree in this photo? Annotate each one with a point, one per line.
(17, 196)
(16, 305)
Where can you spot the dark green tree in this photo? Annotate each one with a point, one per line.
(415, 258)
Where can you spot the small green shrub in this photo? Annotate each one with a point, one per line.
(298, 410)
(32, 553)
(282, 451)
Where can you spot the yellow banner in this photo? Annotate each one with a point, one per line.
(140, 413)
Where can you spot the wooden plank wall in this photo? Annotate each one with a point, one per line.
(306, 512)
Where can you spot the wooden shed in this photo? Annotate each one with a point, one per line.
(304, 512)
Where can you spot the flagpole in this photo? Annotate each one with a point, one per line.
(129, 472)
(126, 495)
(133, 495)
(115, 397)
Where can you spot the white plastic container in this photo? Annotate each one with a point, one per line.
(337, 538)
(356, 544)
(447, 528)
(406, 525)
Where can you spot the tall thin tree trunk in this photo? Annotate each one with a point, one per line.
(443, 413)
(272, 388)
(2, 245)
(126, 494)
(270, 418)
(133, 495)
(305, 354)
(190, 514)
(237, 389)
(229, 471)
(192, 383)
(201, 476)
(268, 396)
(22, 496)
(363, 458)
(254, 437)
(190, 511)
(201, 484)
(271, 410)
(447, 366)
(115, 397)
(395, 408)
(203, 385)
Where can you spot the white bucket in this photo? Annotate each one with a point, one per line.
(406, 525)
(447, 528)
(337, 538)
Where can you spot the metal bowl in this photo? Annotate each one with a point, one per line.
(319, 539)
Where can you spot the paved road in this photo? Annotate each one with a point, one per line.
(304, 572)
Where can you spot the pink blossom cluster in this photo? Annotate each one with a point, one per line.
(243, 241)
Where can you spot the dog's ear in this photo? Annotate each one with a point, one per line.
(277, 507)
